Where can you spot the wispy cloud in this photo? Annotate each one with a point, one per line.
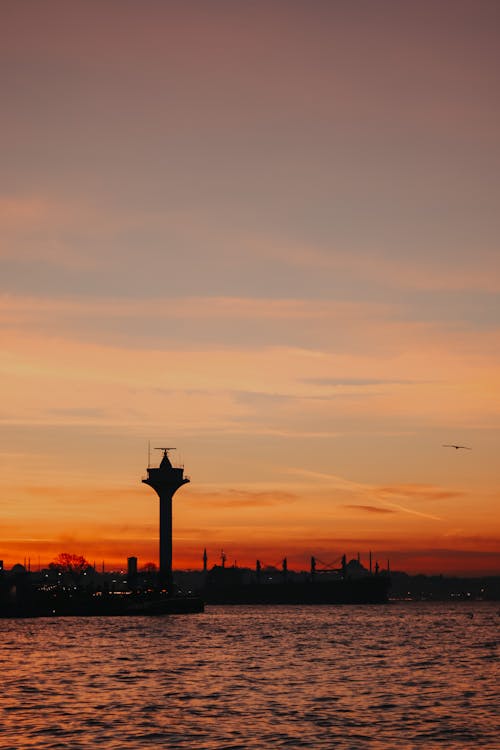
(418, 492)
(331, 479)
(408, 492)
(211, 306)
(369, 508)
(402, 272)
(361, 382)
(412, 511)
(244, 498)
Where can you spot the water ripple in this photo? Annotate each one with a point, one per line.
(251, 678)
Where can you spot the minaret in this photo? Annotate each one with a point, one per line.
(165, 481)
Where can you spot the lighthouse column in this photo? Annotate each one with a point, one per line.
(166, 541)
(165, 481)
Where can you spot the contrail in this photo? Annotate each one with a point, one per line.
(413, 512)
(352, 486)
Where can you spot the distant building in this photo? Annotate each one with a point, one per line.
(18, 569)
(132, 567)
(354, 569)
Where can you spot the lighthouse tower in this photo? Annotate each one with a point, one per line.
(166, 480)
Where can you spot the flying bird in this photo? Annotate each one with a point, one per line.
(465, 447)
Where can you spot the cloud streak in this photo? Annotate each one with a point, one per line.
(419, 492)
(369, 508)
(239, 498)
(408, 492)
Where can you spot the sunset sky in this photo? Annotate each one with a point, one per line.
(264, 232)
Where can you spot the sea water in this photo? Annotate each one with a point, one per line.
(401, 675)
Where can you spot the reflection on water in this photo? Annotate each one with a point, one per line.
(395, 676)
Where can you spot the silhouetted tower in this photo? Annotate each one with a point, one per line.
(344, 566)
(166, 480)
(205, 560)
(131, 568)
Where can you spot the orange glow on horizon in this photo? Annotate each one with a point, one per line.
(111, 524)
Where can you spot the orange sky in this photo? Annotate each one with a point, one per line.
(271, 240)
